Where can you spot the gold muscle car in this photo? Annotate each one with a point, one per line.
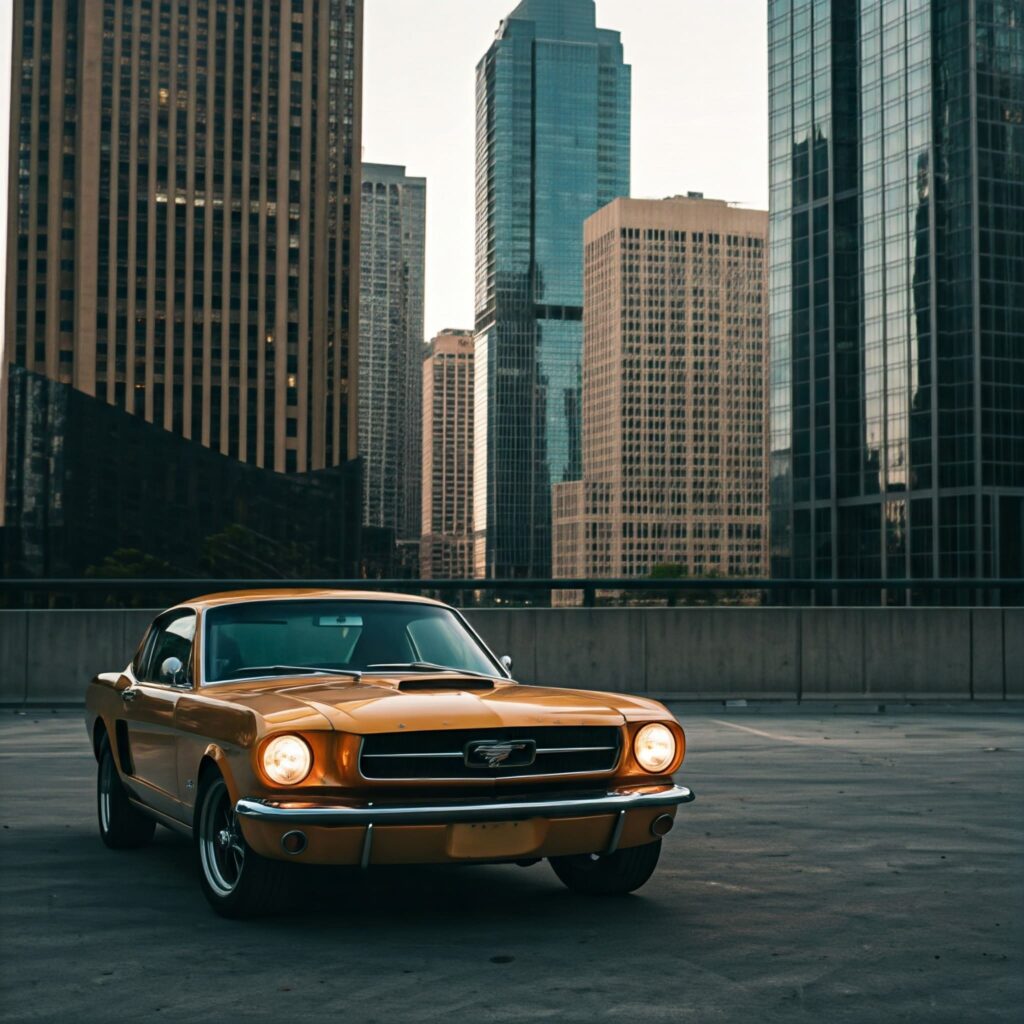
(331, 727)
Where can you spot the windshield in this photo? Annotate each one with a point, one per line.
(273, 636)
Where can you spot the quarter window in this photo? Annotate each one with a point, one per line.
(171, 637)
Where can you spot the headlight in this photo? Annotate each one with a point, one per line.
(287, 760)
(655, 747)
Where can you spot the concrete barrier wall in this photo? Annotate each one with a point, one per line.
(48, 657)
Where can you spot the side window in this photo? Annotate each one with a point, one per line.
(171, 637)
(141, 655)
(436, 641)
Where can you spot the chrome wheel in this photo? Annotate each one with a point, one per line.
(221, 846)
(106, 781)
(122, 826)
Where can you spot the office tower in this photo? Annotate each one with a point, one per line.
(183, 223)
(675, 359)
(446, 546)
(897, 290)
(391, 347)
(553, 123)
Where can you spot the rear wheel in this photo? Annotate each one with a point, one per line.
(122, 825)
(236, 880)
(608, 874)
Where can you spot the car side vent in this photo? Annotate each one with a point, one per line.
(416, 685)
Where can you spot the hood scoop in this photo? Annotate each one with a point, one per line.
(445, 683)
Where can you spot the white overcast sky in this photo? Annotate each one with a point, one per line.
(700, 111)
(6, 30)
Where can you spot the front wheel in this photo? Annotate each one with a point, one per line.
(122, 825)
(608, 874)
(236, 880)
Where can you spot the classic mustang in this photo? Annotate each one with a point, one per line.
(330, 727)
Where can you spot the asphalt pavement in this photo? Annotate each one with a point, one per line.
(838, 865)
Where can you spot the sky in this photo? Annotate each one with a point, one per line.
(700, 111)
(6, 30)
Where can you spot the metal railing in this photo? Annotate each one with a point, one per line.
(89, 592)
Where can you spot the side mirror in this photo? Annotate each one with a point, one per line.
(506, 662)
(172, 671)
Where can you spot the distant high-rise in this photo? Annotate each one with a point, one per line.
(553, 130)
(675, 360)
(897, 289)
(183, 222)
(391, 346)
(446, 546)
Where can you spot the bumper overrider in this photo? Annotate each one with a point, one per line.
(422, 831)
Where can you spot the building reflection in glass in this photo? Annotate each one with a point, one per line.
(95, 491)
(897, 289)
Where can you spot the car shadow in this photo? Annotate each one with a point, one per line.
(385, 897)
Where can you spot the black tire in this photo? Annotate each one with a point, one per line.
(122, 825)
(608, 875)
(236, 881)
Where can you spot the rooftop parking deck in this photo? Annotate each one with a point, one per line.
(840, 863)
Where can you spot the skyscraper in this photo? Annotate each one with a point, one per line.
(675, 360)
(897, 288)
(553, 126)
(183, 221)
(446, 547)
(391, 347)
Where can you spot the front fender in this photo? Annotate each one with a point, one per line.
(215, 753)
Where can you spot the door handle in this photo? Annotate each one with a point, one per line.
(128, 694)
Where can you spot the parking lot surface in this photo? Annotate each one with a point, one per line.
(837, 865)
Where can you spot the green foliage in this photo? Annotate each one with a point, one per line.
(130, 564)
(675, 571)
(669, 571)
(240, 553)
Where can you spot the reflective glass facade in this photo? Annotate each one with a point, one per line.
(553, 123)
(95, 491)
(897, 288)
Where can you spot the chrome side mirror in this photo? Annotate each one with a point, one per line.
(506, 663)
(172, 671)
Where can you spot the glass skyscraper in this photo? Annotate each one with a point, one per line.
(897, 288)
(553, 124)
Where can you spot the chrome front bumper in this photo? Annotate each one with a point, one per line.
(284, 812)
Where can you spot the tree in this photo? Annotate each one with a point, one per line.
(238, 552)
(132, 564)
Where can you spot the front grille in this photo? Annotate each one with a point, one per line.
(561, 750)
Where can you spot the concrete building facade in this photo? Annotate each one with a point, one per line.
(674, 394)
(182, 217)
(392, 239)
(446, 545)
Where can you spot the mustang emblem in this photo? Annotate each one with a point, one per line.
(500, 753)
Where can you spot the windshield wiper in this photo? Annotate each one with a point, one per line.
(283, 670)
(425, 666)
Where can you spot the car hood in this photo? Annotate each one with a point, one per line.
(379, 705)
